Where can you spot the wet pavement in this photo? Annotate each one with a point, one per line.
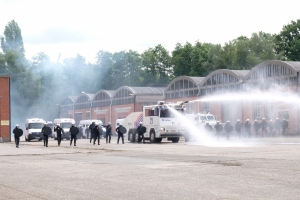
(261, 168)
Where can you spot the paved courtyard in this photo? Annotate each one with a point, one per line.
(265, 168)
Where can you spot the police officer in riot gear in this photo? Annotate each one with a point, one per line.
(17, 139)
(97, 131)
(256, 126)
(140, 133)
(207, 127)
(284, 125)
(73, 137)
(108, 132)
(228, 128)
(45, 135)
(120, 134)
(238, 128)
(271, 127)
(218, 128)
(247, 127)
(59, 131)
(91, 128)
(264, 126)
(277, 125)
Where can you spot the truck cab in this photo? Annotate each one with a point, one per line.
(33, 128)
(164, 120)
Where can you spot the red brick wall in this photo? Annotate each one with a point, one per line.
(5, 133)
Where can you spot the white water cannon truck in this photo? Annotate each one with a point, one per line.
(161, 121)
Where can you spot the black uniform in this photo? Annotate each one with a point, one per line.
(119, 135)
(59, 131)
(271, 127)
(91, 128)
(277, 124)
(228, 128)
(45, 137)
(284, 125)
(73, 137)
(208, 128)
(218, 128)
(238, 128)
(140, 134)
(256, 126)
(247, 127)
(96, 133)
(108, 133)
(264, 126)
(17, 139)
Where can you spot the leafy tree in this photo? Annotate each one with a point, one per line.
(288, 41)
(12, 40)
(215, 58)
(199, 56)
(182, 59)
(157, 66)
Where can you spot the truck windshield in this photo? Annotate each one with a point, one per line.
(203, 118)
(210, 117)
(35, 125)
(66, 125)
(165, 113)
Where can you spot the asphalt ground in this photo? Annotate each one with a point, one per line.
(264, 168)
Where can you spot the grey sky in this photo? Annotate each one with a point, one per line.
(85, 27)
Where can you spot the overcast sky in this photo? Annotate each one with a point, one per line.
(85, 27)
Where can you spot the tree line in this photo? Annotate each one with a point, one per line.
(37, 83)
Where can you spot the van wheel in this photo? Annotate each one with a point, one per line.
(152, 137)
(175, 140)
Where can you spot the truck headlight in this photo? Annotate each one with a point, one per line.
(182, 129)
(162, 129)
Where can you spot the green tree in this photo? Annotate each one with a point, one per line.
(288, 41)
(157, 66)
(12, 40)
(199, 56)
(182, 59)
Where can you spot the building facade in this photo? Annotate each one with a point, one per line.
(204, 94)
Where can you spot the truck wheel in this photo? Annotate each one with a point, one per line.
(131, 138)
(137, 139)
(186, 138)
(152, 137)
(158, 140)
(175, 140)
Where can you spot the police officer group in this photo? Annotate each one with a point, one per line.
(268, 129)
(94, 129)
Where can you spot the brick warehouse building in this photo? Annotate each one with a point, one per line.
(5, 117)
(111, 105)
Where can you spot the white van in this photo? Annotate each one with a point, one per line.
(85, 127)
(33, 128)
(65, 124)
